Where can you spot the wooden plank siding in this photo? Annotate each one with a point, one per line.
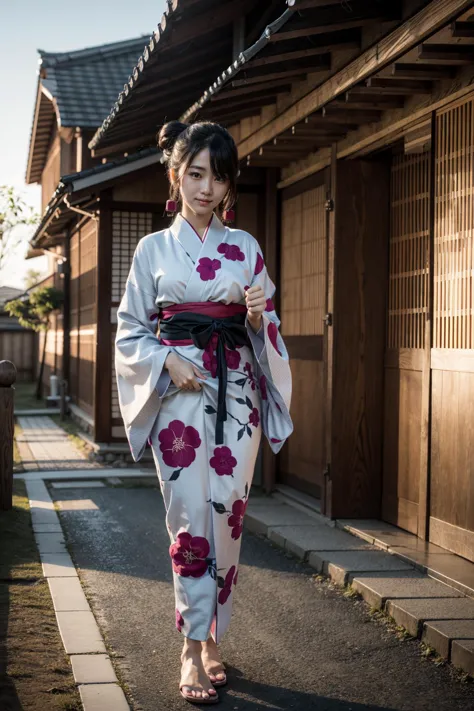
(83, 314)
(407, 320)
(303, 269)
(362, 223)
(452, 445)
(20, 347)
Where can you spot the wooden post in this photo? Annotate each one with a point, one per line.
(7, 379)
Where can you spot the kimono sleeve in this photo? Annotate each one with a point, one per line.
(272, 365)
(139, 357)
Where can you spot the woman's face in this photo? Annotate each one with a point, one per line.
(200, 190)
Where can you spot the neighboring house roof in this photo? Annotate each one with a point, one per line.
(57, 213)
(193, 42)
(77, 89)
(7, 293)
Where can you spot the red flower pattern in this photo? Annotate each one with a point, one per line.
(223, 461)
(209, 359)
(232, 358)
(263, 387)
(231, 251)
(236, 519)
(178, 444)
(259, 264)
(272, 335)
(207, 268)
(227, 589)
(254, 417)
(179, 621)
(189, 554)
(250, 375)
(270, 306)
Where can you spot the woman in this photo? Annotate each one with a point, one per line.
(202, 391)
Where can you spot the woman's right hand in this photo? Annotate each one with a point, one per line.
(182, 373)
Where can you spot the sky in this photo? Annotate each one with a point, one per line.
(30, 25)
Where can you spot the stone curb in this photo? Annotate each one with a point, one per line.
(429, 609)
(82, 639)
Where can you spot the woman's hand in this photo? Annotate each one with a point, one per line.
(182, 373)
(256, 303)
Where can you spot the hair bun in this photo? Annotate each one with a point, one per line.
(169, 134)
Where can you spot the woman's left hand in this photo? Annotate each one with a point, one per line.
(256, 302)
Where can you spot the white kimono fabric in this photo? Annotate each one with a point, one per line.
(205, 486)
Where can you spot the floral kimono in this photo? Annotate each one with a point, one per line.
(205, 477)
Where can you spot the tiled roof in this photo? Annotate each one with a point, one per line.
(7, 293)
(77, 89)
(85, 83)
(56, 214)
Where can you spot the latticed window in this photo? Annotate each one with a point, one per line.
(409, 251)
(127, 230)
(303, 263)
(454, 226)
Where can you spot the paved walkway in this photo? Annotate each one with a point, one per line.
(294, 642)
(45, 446)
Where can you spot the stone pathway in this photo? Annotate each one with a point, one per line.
(81, 636)
(439, 614)
(43, 445)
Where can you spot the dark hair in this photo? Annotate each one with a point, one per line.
(181, 142)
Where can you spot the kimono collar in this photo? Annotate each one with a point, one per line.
(189, 238)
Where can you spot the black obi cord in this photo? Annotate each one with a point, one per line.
(231, 332)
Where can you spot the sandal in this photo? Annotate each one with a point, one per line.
(215, 681)
(198, 700)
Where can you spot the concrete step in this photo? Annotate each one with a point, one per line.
(386, 581)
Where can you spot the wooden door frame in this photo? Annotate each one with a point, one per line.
(426, 409)
(306, 347)
(328, 343)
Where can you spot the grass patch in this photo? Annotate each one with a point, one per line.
(17, 465)
(24, 397)
(35, 673)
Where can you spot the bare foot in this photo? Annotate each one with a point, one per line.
(212, 661)
(194, 680)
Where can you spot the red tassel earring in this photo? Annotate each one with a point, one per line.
(228, 217)
(171, 207)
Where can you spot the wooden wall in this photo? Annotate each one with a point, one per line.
(303, 281)
(407, 321)
(452, 359)
(83, 314)
(362, 203)
(20, 347)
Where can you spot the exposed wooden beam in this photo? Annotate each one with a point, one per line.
(323, 29)
(462, 29)
(241, 102)
(397, 86)
(228, 118)
(420, 71)
(301, 54)
(279, 85)
(428, 20)
(447, 53)
(373, 102)
(301, 71)
(352, 115)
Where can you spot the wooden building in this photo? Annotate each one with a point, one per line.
(17, 344)
(354, 124)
